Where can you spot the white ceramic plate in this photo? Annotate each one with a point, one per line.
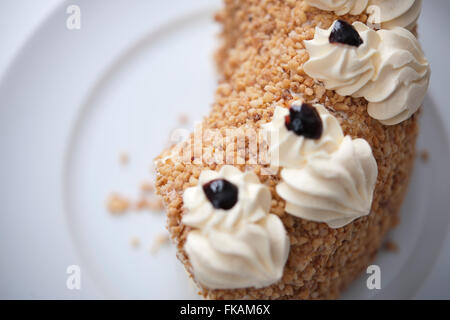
(73, 100)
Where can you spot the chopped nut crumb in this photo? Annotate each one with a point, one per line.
(391, 246)
(117, 204)
(309, 92)
(124, 159)
(424, 156)
(341, 107)
(147, 187)
(183, 119)
(159, 241)
(135, 242)
(155, 205)
(152, 204)
(141, 204)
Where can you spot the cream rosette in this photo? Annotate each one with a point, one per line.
(388, 69)
(244, 246)
(288, 150)
(340, 7)
(386, 14)
(336, 188)
(330, 179)
(389, 14)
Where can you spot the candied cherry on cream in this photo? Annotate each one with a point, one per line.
(221, 193)
(345, 33)
(304, 120)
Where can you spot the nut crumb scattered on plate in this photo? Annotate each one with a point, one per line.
(424, 156)
(391, 246)
(183, 118)
(135, 242)
(147, 187)
(117, 204)
(124, 159)
(159, 241)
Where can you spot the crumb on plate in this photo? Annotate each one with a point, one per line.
(117, 204)
(159, 241)
(183, 118)
(391, 246)
(135, 242)
(124, 158)
(424, 156)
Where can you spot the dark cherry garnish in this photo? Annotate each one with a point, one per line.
(304, 120)
(221, 193)
(345, 33)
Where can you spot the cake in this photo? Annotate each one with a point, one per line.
(336, 86)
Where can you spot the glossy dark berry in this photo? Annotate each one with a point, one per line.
(345, 33)
(304, 120)
(221, 193)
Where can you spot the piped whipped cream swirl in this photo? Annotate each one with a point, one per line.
(289, 150)
(389, 14)
(340, 7)
(332, 180)
(336, 188)
(245, 246)
(385, 14)
(389, 70)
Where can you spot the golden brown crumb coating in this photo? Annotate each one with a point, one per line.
(262, 64)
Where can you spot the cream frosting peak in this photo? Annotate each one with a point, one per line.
(332, 181)
(289, 150)
(254, 201)
(253, 256)
(386, 14)
(245, 246)
(336, 188)
(340, 7)
(394, 13)
(389, 70)
(343, 68)
(402, 80)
